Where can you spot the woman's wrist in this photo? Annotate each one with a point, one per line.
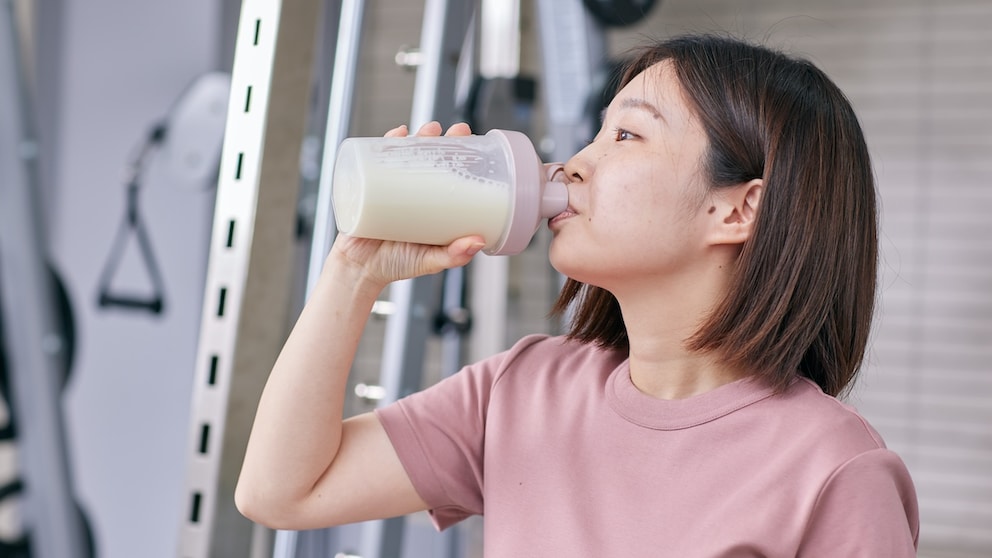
(340, 272)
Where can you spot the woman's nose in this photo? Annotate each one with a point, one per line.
(578, 168)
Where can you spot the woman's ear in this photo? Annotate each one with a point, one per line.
(733, 212)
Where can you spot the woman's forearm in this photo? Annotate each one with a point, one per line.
(297, 429)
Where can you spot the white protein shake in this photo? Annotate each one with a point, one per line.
(423, 190)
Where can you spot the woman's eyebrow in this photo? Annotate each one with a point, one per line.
(638, 104)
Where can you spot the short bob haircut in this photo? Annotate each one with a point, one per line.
(802, 294)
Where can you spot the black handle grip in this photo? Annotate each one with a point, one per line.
(153, 305)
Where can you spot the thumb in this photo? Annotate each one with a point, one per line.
(459, 252)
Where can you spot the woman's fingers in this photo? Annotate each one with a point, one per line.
(461, 251)
(432, 128)
(397, 132)
(456, 254)
(459, 129)
(385, 262)
(392, 261)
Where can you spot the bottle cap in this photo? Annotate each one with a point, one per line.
(535, 196)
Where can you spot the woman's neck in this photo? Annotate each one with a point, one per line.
(666, 376)
(659, 321)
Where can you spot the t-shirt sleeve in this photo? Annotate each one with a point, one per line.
(439, 436)
(867, 508)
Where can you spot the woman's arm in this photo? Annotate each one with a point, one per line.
(305, 467)
(867, 508)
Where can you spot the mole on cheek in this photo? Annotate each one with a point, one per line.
(712, 209)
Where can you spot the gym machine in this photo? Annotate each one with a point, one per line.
(36, 343)
(245, 316)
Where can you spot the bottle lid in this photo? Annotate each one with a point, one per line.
(535, 195)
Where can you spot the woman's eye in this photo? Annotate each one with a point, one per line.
(619, 134)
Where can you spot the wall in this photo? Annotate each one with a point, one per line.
(123, 65)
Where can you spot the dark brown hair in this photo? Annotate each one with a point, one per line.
(803, 291)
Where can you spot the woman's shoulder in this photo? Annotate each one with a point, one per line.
(831, 424)
(556, 352)
(546, 361)
(540, 344)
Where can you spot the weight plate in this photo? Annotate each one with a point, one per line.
(619, 13)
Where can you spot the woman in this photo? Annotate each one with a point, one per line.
(720, 245)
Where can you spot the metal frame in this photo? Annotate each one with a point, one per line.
(339, 107)
(35, 347)
(571, 57)
(446, 25)
(248, 285)
(229, 374)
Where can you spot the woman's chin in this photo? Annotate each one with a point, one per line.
(575, 272)
(574, 264)
(558, 260)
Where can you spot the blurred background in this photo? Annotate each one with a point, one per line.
(131, 97)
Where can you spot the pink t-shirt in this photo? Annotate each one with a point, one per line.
(561, 453)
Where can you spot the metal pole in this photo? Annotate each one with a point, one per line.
(446, 24)
(295, 544)
(249, 276)
(34, 344)
(570, 55)
(573, 49)
(338, 122)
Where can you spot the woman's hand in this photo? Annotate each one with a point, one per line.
(383, 262)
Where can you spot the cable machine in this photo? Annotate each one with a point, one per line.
(245, 317)
(35, 340)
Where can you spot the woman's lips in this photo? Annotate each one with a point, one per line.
(569, 212)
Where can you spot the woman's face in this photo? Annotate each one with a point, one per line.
(636, 193)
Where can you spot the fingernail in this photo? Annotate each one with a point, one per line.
(474, 248)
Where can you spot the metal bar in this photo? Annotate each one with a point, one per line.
(405, 340)
(35, 348)
(346, 25)
(570, 56)
(445, 25)
(499, 38)
(453, 304)
(248, 284)
(490, 285)
(499, 56)
(338, 122)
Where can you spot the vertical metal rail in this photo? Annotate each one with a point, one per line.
(248, 286)
(443, 34)
(499, 57)
(339, 111)
(445, 27)
(573, 50)
(229, 374)
(294, 544)
(35, 348)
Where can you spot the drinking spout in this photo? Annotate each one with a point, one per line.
(554, 195)
(554, 199)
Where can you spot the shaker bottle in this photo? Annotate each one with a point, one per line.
(432, 190)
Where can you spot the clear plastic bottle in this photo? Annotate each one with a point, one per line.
(432, 190)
